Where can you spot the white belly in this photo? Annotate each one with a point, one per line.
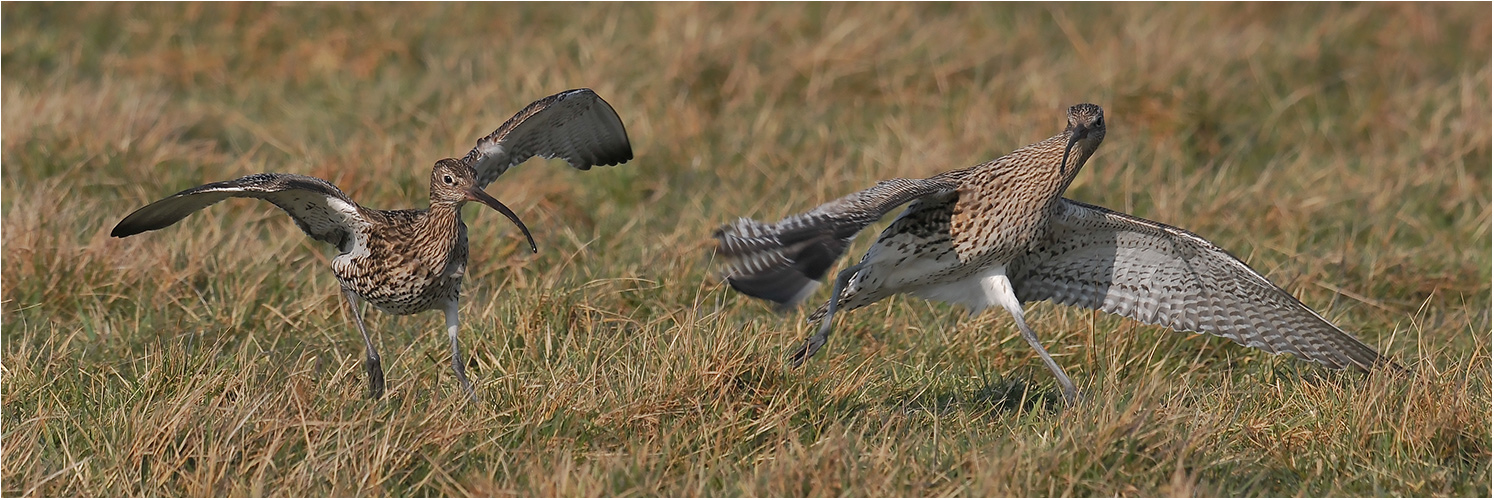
(976, 292)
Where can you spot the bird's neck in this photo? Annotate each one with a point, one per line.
(1035, 168)
(438, 235)
(1077, 157)
(1030, 178)
(441, 210)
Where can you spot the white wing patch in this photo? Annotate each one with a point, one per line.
(490, 149)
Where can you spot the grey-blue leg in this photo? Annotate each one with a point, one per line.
(813, 344)
(999, 288)
(371, 355)
(457, 365)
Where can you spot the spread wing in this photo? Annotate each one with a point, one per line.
(576, 125)
(319, 208)
(783, 262)
(1162, 275)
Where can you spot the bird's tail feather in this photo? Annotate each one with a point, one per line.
(782, 263)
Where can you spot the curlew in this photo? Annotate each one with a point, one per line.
(1001, 234)
(411, 261)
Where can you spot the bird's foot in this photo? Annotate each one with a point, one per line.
(461, 375)
(1072, 398)
(375, 378)
(467, 388)
(806, 351)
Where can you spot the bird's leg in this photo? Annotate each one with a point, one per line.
(999, 287)
(813, 344)
(457, 365)
(371, 361)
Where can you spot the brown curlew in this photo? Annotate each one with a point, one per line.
(410, 261)
(1001, 234)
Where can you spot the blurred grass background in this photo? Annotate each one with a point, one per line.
(1342, 150)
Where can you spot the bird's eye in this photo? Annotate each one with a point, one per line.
(448, 180)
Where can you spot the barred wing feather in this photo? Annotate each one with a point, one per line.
(1096, 258)
(575, 125)
(318, 207)
(784, 261)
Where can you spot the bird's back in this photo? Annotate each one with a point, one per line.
(934, 246)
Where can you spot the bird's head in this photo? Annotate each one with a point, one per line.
(1086, 129)
(454, 182)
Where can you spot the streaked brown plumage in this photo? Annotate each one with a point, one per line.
(1001, 234)
(410, 261)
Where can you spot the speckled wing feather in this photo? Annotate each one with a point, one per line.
(576, 125)
(1161, 275)
(783, 262)
(318, 207)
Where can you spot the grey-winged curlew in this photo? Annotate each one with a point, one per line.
(410, 261)
(1001, 234)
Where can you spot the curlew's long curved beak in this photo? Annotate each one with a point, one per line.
(480, 196)
(1078, 131)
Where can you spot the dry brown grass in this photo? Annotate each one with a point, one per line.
(1344, 150)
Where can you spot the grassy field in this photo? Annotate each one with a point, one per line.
(1342, 150)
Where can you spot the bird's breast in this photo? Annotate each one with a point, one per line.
(398, 277)
(1000, 218)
